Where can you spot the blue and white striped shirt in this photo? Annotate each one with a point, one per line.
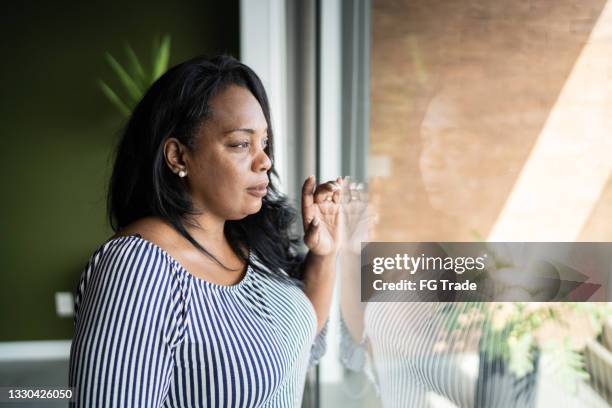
(150, 334)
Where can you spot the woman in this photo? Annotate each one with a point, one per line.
(201, 298)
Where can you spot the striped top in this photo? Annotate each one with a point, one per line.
(409, 362)
(150, 334)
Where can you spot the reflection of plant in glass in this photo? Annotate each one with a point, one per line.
(515, 331)
(509, 333)
(136, 79)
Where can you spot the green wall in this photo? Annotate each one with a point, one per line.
(58, 133)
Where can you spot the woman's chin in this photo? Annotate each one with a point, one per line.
(440, 201)
(254, 207)
(244, 212)
(435, 196)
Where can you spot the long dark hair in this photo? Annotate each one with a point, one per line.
(142, 185)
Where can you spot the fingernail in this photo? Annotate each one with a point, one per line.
(315, 222)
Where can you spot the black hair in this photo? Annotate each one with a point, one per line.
(142, 185)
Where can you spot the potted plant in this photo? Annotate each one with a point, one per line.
(512, 337)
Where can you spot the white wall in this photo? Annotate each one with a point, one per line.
(263, 48)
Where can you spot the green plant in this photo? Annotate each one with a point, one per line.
(136, 79)
(515, 332)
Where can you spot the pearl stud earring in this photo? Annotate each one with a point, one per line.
(182, 173)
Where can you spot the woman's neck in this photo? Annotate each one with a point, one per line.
(206, 228)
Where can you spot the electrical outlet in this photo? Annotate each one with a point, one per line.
(64, 304)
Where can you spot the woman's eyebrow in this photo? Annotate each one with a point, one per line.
(246, 130)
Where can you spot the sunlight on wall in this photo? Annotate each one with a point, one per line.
(571, 161)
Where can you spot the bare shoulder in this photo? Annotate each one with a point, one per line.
(152, 229)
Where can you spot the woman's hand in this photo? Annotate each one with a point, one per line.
(321, 216)
(358, 217)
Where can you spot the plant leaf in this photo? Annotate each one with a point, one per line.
(115, 100)
(132, 88)
(521, 356)
(137, 77)
(139, 74)
(162, 56)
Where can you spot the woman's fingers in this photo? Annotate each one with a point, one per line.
(345, 187)
(337, 194)
(330, 191)
(326, 191)
(308, 191)
(307, 200)
(311, 238)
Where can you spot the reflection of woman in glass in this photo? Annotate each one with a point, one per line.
(407, 349)
(414, 351)
(471, 150)
(201, 298)
(471, 354)
(417, 352)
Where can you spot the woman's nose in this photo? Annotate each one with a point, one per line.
(433, 161)
(262, 162)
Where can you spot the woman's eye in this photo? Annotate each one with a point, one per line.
(246, 144)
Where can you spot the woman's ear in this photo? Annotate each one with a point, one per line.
(175, 156)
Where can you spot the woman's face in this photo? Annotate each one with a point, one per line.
(444, 161)
(453, 161)
(227, 168)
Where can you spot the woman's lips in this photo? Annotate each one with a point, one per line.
(258, 191)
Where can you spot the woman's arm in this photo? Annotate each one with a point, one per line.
(320, 275)
(351, 306)
(321, 217)
(358, 221)
(129, 317)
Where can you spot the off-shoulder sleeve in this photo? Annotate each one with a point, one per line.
(354, 355)
(130, 312)
(319, 347)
